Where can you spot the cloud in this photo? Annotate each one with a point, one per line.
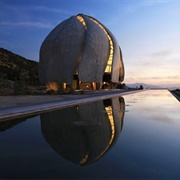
(134, 6)
(25, 8)
(159, 58)
(160, 77)
(28, 15)
(173, 77)
(154, 2)
(6, 44)
(163, 53)
(26, 24)
(154, 77)
(48, 9)
(147, 63)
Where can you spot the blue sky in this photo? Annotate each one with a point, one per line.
(148, 32)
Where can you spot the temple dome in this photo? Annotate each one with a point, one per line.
(80, 46)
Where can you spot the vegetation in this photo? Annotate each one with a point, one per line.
(17, 74)
(141, 87)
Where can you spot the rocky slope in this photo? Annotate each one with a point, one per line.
(16, 72)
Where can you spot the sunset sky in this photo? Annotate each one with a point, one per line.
(148, 32)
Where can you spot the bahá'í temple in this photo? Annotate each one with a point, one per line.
(80, 53)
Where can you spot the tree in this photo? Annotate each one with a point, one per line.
(141, 87)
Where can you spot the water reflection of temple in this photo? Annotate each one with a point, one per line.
(84, 133)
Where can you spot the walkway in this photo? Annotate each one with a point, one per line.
(17, 106)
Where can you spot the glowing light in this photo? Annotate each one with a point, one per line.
(111, 120)
(109, 62)
(81, 19)
(111, 47)
(83, 161)
(121, 68)
(52, 86)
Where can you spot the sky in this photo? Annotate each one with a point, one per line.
(148, 32)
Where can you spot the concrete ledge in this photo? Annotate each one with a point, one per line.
(177, 97)
(32, 109)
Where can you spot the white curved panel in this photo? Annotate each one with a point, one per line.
(60, 52)
(95, 53)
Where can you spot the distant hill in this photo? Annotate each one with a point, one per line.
(143, 84)
(18, 75)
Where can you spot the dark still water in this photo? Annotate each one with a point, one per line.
(134, 136)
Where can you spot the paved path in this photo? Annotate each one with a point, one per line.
(18, 106)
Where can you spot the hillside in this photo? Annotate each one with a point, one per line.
(16, 72)
(143, 84)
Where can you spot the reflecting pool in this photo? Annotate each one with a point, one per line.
(134, 136)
